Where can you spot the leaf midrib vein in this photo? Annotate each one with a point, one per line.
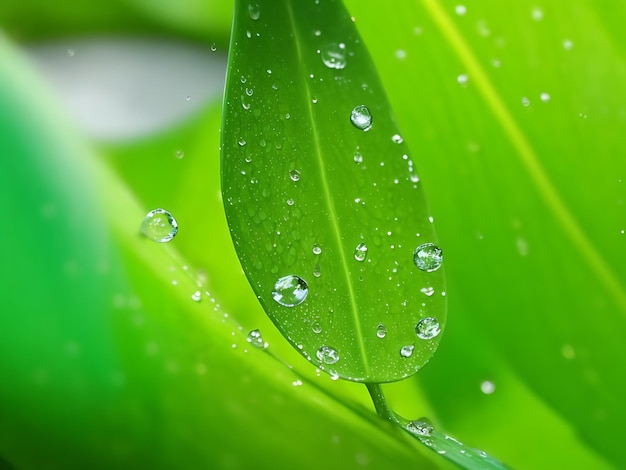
(527, 155)
(329, 200)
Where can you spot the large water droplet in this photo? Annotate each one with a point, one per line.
(407, 351)
(361, 118)
(360, 252)
(427, 328)
(381, 331)
(334, 55)
(294, 175)
(327, 355)
(420, 427)
(254, 11)
(255, 339)
(159, 226)
(428, 257)
(290, 291)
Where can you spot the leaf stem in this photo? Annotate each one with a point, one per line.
(380, 403)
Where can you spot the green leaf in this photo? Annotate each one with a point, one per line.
(108, 363)
(321, 205)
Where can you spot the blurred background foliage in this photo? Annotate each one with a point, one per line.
(108, 109)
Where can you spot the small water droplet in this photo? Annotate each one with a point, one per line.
(358, 158)
(334, 55)
(545, 97)
(316, 249)
(71, 52)
(361, 118)
(460, 10)
(290, 202)
(381, 331)
(397, 139)
(294, 175)
(256, 340)
(537, 14)
(429, 291)
(401, 54)
(462, 79)
(420, 427)
(327, 355)
(159, 226)
(317, 328)
(487, 387)
(254, 11)
(180, 154)
(196, 296)
(213, 47)
(242, 142)
(243, 79)
(407, 351)
(428, 257)
(360, 252)
(249, 91)
(568, 44)
(427, 328)
(290, 291)
(188, 98)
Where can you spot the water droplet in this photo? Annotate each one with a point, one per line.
(360, 252)
(180, 154)
(71, 52)
(334, 55)
(537, 14)
(256, 340)
(290, 291)
(358, 158)
(294, 175)
(487, 387)
(254, 11)
(188, 98)
(400, 54)
(460, 10)
(159, 226)
(316, 249)
(290, 202)
(429, 291)
(420, 427)
(427, 328)
(381, 331)
(196, 296)
(213, 47)
(249, 91)
(568, 44)
(525, 102)
(242, 142)
(407, 351)
(462, 79)
(397, 139)
(327, 355)
(361, 118)
(317, 328)
(428, 257)
(545, 97)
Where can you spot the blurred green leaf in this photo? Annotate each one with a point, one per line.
(522, 165)
(326, 214)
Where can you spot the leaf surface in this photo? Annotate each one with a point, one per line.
(325, 210)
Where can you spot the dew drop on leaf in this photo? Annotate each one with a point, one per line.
(256, 340)
(317, 328)
(429, 291)
(361, 117)
(196, 296)
(427, 328)
(428, 257)
(290, 291)
(334, 55)
(358, 158)
(407, 351)
(254, 11)
(397, 139)
(487, 387)
(159, 226)
(316, 249)
(294, 175)
(381, 331)
(327, 355)
(360, 252)
(420, 427)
